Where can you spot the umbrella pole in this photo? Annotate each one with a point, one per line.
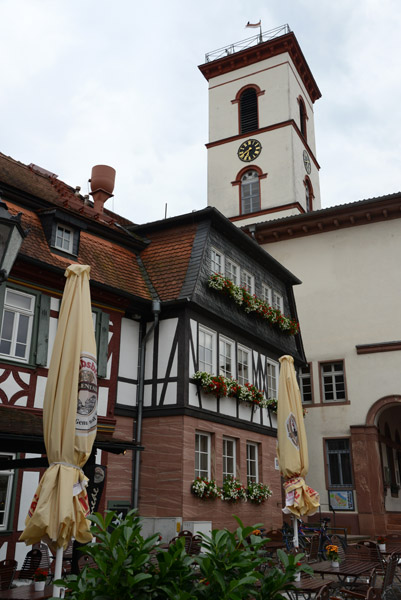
(57, 571)
(295, 528)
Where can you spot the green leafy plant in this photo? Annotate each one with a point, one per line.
(257, 492)
(233, 490)
(250, 303)
(129, 566)
(221, 386)
(205, 488)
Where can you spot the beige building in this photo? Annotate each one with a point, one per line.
(263, 174)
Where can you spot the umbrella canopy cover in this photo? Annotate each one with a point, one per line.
(292, 447)
(60, 506)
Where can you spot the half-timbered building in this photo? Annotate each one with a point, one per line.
(163, 316)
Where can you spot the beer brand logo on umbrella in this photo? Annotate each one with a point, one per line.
(292, 430)
(87, 396)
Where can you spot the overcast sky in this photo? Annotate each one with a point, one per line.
(116, 82)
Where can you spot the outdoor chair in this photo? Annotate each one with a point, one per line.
(335, 540)
(30, 564)
(186, 533)
(312, 549)
(46, 561)
(196, 545)
(188, 540)
(86, 561)
(385, 590)
(393, 537)
(8, 567)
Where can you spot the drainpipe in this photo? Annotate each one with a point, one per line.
(139, 402)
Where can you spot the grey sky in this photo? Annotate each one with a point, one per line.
(86, 82)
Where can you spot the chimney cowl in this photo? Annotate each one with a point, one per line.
(102, 185)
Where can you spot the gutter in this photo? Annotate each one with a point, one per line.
(136, 463)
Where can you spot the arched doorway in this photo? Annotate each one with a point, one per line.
(376, 449)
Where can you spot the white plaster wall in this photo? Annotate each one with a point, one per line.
(126, 393)
(274, 76)
(103, 396)
(276, 160)
(167, 329)
(40, 392)
(3, 551)
(171, 393)
(350, 296)
(30, 482)
(128, 365)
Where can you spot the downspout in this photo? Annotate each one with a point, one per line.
(139, 402)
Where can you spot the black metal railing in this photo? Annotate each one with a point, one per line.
(252, 41)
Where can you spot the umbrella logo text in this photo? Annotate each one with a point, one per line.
(292, 430)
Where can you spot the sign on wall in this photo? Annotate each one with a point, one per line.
(341, 499)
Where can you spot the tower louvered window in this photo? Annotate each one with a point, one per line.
(248, 111)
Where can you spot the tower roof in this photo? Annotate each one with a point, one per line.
(231, 59)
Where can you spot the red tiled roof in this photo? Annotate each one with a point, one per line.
(111, 264)
(47, 187)
(166, 259)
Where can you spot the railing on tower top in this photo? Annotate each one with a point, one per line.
(252, 41)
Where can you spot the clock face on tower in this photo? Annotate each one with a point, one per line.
(307, 164)
(249, 150)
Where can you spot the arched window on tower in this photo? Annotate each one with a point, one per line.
(302, 117)
(248, 110)
(309, 196)
(250, 192)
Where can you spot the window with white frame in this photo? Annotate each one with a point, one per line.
(226, 357)
(252, 471)
(277, 301)
(333, 381)
(202, 455)
(266, 293)
(229, 457)
(232, 271)
(217, 261)
(243, 364)
(305, 384)
(64, 238)
(6, 487)
(271, 379)
(206, 350)
(247, 281)
(16, 327)
(338, 456)
(250, 192)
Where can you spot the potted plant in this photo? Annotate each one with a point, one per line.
(39, 579)
(381, 540)
(332, 554)
(205, 488)
(258, 492)
(233, 490)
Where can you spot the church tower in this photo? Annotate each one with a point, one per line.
(261, 152)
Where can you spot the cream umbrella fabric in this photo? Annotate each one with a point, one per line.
(292, 447)
(60, 506)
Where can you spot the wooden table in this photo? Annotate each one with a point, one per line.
(26, 592)
(306, 587)
(347, 569)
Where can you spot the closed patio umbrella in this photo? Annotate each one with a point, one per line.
(292, 447)
(60, 505)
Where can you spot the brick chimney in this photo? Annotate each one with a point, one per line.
(102, 186)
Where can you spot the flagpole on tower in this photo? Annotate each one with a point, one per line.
(259, 24)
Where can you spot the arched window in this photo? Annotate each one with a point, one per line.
(250, 192)
(302, 117)
(308, 194)
(390, 456)
(248, 110)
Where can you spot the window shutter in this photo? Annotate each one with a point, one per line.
(2, 295)
(42, 342)
(248, 110)
(102, 350)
